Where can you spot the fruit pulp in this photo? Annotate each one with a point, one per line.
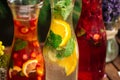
(26, 59)
(91, 38)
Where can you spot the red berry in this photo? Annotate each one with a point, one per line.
(96, 37)
(15, 55)
(33, 55)
(23, 30)
(25, 56)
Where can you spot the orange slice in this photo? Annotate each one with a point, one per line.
(61, 28)
(29, 67)
(69, 63)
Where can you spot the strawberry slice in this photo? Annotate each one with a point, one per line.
(23, 30)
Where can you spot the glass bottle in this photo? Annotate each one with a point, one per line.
(91, 36)
(60, 49)
(112, 45)
(26, 61)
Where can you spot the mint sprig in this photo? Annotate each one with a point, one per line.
(53, 40)
(68, 50)
(20, 44)
(63, 8)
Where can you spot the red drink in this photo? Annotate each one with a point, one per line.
(91, 38)
(26, 61)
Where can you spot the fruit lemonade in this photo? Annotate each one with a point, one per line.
(91, 38)
(26, 59)
(61, 50)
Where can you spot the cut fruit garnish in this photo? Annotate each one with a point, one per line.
(17, 68)
(29, 67)
(14, 71)
(10, 72)
(69, 63)
(61, 28)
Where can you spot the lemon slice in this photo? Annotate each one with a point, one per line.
(17, 68)
(61, 28)
(29, 67)
(69, 63)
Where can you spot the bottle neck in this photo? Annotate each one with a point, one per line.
(91, 14)
(91, 9)
(25, 21)
(61, 9)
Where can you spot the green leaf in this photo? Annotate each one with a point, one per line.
(53, 40)
(68, 50)
(19, 44)
(63, 8)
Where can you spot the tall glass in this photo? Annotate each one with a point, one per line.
(91, 36)
(26, 61)
(61, 50)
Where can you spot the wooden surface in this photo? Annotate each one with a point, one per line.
(113, 69)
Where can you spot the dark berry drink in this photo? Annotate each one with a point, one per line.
(91, 38)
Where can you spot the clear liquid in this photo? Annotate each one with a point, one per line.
(53, 70)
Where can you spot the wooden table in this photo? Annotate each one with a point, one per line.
(113, 69)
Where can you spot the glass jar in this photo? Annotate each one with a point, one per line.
(61, 50)
(26, 61)
(91, 37)
(112, 45)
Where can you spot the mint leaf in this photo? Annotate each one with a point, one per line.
(63, 8)
(53, 40)
(19, 44)
(68, 50)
